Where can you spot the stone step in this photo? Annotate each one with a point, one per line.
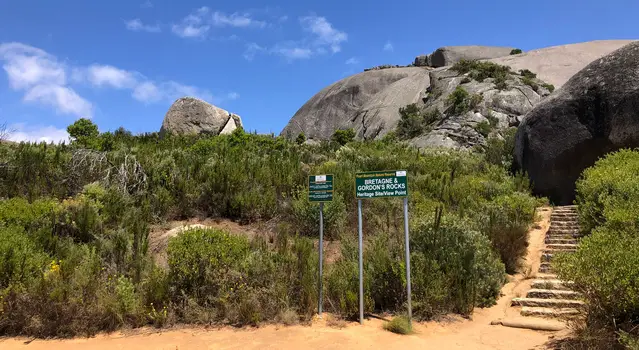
(563, 235)
(546, 257)
(545, 268)
(564, 225)
(553, 294)
(564, 231)
(562, 246)
(548, 312)
(554, 240)
(546, 276)
(554, 284)
(553, 303)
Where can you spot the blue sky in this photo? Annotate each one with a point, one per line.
(122, 63)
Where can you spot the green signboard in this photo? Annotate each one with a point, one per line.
(380, 184)
(320, 188)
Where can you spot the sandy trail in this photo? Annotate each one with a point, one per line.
(457, 333)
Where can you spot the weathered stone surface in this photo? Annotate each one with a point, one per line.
(596, 112)
(557, 64)
(449, 55)
(368, 102)
(189, 115)
(461, 131)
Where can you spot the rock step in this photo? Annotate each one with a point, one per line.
(548, 312)
(563, 231)
(563, 235)
(553, 294)
(546, 276)
(555, 251)
(553, 240)
(567, 225)
(553, 284)
(546, 257)
(553, 303)
(545, 269)
(562, 246)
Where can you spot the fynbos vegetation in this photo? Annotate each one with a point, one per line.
(75, 221)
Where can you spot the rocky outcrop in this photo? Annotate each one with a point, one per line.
(491, 110)
(595, 112)
(368, 102)
(190, 115)
(555, 65)
(449, 55)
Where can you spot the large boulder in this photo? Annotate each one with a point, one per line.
(595, 112)
(189, 115)
(557, 64)
(368, 102)
(449, 55)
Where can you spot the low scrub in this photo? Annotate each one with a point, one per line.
(399, 325)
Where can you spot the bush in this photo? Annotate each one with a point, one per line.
(604, 268)
(201, 263)
(300, 139)
(500, 151)
(343, 137)
(528, 81)
(20, 260)
(484, 128)
(527, 73)
(481, 70)
(515, 51)
(458, 102)
(306, 216)
(549, 87)
(399, 325)
(411, 122)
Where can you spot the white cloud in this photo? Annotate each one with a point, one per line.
(324, 32)
(44, 81)
(352, 60)
(388, 46)
(104, 75)
(136, 25)
(251, 50)
(220, 19)
(147, 4)
(283, 18)
(21, 132)
(62, 98)
(42, 78)
(293, 53)
(193, 25)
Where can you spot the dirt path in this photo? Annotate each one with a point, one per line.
(457, 333)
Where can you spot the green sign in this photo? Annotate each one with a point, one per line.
(380, 184)
(320, 188)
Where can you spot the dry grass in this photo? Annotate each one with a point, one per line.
(288, 317)
(335, 322)
(399, 325)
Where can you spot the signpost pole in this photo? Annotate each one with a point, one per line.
(410, 310)
(361, 262)
(321, 249)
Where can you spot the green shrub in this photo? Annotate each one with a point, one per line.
(306, 216)
(201, 262)
(528, 81)
(527, 73)
(494, 121)
(481, 70)
(20, 260)
(515, 51)
(465, 80)
(411, 122)
(484, 128)
(509, 218)
(500, 151)
(300, 139)
(399, 325)
(501, 83)
(343, 137)
(458, 102)
(549, 87)
(475, 100)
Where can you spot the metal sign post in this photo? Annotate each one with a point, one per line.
(320, 189)
(382, 184)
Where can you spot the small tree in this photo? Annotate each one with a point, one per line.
(84, 132)
(343, 136)
(411, 122)
(516, 52)
(300, 139)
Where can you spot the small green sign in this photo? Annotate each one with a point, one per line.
(380, 184)
(320, 188)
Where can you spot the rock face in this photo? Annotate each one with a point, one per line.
(595, 112)
(368, 102)
(449, 55)
(494, 111)
(190, 115)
